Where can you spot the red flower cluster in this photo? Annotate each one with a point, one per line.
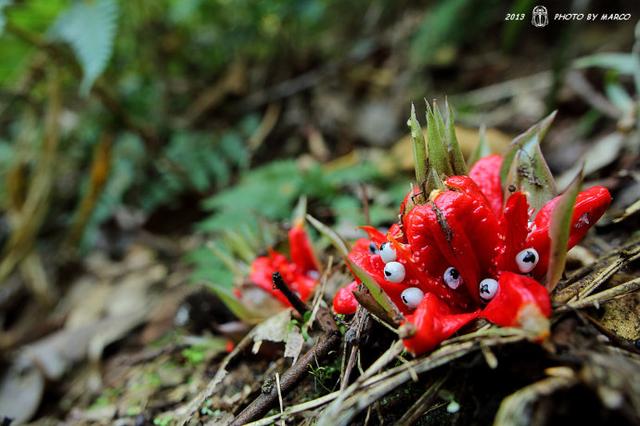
(300, 273)
(463, 255)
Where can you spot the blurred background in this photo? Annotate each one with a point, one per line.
(143, 143)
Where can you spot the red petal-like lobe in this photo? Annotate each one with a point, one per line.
(515, 227)
(433, 254)
(344, 302)
(407, 201)
(374, 266)
(589, 207)
(516, 295)
(486, 174)
(434, 322)
(262, 270)
(301, 250)
(374, 235)
(470, 208)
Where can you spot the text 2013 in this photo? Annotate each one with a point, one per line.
(514, 17)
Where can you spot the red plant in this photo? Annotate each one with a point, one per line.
(300, 273)
(463, 255)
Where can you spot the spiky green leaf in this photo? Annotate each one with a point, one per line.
(559, 231)
(525, 169)
(624, 63)
(436, 143)
(482, 149)
(434, 182)
(239, 245)
(300, 210)
(419, 150)
(453, 147)
(89, 27)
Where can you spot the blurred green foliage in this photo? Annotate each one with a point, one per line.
(151, 112)
(267, 195)
(160, 55)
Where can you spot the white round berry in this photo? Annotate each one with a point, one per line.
(488, 289)
(527, 260)
(412, 297)
(452, 278)
(394, 272)
(387, 253)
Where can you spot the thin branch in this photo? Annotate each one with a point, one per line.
(293, 298)
(321, 350)
(422, 404)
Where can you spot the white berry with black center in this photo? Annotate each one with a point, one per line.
(412, 297)
(394, 272)
(387, 253)
(488, 289)
(452, 278)
(527, 260)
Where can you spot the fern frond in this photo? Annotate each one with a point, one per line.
(89, 27)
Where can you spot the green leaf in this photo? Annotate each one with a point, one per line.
(559, 231)
(455, 153)
(239, 245)
(436, 144)
(3, 4)
(616, 92)
(525, 169)
(300, 211)
(89, 27)
(482, 149)
(376, 291)
(337, 242)
(434, 181)
(624, 63)
(227, 297)
(419, 151)
(232, 264)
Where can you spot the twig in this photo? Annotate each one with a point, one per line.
(360, 321)
(398, 375)
(100, 170)
(27, 216)
(293, 298)
(628, 251)
(422, 404)
(506, 89)
(606, 295)
(579, 84)
(514, 409)
(326, 343)
(586, 280)
(186, 412)
(334, 410)
(279, 395)
(315, 306)
(294, 409)
(375, 387)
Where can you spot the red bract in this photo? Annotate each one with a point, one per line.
(300, 273)
(464, 255)
(434, 322)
